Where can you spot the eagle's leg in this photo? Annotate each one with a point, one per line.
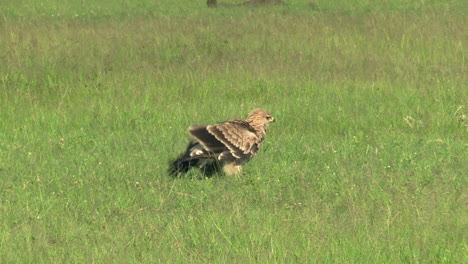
(232, 168)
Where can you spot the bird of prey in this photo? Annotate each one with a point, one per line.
(227, 145)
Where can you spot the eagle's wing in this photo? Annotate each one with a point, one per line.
(238, 137)
(235, 137)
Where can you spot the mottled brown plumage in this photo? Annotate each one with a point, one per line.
(228, 145)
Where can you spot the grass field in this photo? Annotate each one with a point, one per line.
(367, 162)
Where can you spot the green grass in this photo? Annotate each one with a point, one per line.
(366, 163)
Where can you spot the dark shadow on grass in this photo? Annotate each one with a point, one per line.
(211, 170)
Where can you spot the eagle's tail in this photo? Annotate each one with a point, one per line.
(183, 163)
(180, 166)
(189, 159)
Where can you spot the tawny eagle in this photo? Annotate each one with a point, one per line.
(227, 145)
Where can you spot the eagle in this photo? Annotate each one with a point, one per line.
(227, 145)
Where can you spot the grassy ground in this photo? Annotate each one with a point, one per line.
(366, 163)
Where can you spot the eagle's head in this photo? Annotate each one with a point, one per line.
(259, 119)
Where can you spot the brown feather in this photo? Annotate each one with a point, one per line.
(206, 139)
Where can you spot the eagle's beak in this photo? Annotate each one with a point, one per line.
(272, 120)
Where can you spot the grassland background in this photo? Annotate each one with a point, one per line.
(366, 163)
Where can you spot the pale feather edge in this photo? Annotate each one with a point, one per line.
(208, 128)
